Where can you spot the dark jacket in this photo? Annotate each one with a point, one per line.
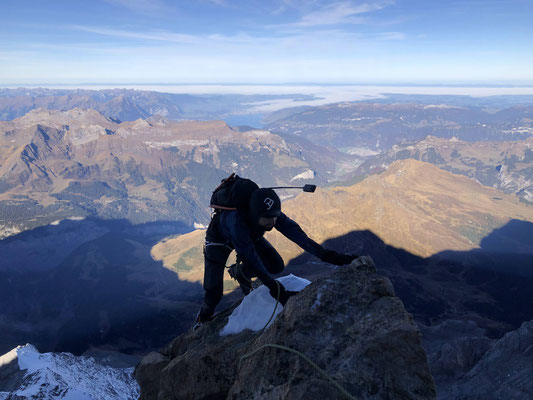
(233, 228)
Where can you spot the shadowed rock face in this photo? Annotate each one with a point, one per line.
(349, 323)
(503, 372)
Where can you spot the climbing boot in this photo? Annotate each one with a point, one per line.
(236, 271)
(204, 315)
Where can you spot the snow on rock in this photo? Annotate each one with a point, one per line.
(361, 151)
(65, 376)
(256, 308)
(309, 174)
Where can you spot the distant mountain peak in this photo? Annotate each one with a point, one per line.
(26, 372)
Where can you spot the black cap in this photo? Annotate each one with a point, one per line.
(265, 203)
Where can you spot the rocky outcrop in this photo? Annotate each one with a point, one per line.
(453, 348)
(349, 323)
(466, 364)
(503, 372)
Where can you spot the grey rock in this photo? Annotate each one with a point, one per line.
(10, 373)
(434, 337)
(453, 348)
(455, 359)
(359, 334)
(504, 372)
(151, 366)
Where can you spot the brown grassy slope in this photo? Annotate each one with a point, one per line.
(413, 205)
(184, 255)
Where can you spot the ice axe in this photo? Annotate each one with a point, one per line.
(305, 188)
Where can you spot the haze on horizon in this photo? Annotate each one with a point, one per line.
(223, 41)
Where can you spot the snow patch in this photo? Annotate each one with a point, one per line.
(256, 308)
(444, 106)
(309, 174)
(177, 143)
(65, 376)
(361, 151)
(58, 221)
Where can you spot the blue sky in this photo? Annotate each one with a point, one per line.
(224, 41)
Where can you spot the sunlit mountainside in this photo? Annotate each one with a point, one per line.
(78, 163)
(413, 205)
(507, 166)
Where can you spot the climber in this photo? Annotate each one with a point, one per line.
(246, 213)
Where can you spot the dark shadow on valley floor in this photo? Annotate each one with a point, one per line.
(491, 285)
(78, 284)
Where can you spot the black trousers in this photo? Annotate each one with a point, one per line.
(215, 257)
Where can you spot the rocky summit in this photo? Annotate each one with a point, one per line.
(349, 323)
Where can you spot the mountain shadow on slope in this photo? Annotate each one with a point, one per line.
(92, 283)
(490, 286)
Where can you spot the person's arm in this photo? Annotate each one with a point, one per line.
(292, 231)
(239, 234)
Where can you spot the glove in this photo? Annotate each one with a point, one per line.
(332, 257)
(283, 295)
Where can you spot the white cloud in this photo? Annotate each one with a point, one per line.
(344, 12)
(327, 41)
(222, 3)
(140, 6)
(391, 36)
(164, 36)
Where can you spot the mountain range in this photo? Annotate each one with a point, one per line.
(79, 163)
(366, 127)
(130, 104)
(507, 166)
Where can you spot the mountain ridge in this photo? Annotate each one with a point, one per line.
(379, 126)
(504, 165)
(79, 163)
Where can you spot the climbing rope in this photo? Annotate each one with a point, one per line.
(298, 353)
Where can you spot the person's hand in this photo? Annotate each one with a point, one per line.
(284, 294)
(335, 258)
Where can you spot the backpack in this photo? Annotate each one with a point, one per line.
(233, 193)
